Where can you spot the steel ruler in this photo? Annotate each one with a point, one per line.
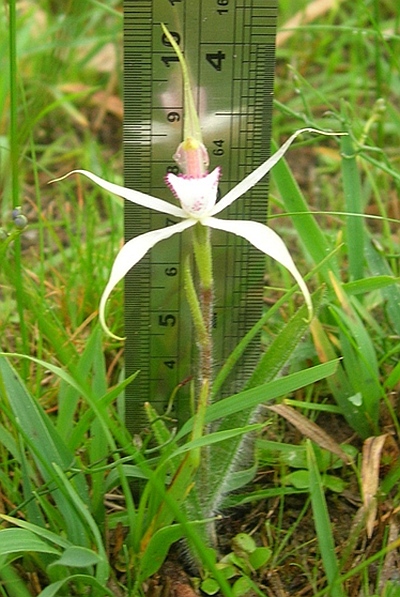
(229, 46)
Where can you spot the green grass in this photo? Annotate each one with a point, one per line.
(71, 524)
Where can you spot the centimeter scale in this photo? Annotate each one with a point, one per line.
(229, 46)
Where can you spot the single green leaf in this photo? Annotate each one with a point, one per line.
(77, 579)
(242, 586)
(227, 570)
(260, 557)
(265, 393)
(334, 483)
(299, 479)
(21, 540)
(213, 438)
(242, 542)
(157, 549)
(209, 586)
(77, 557)
(370, 284)
(323, 525)
(240, 561)
(241, 477)
(41, 532)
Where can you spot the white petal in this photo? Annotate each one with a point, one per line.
(266, 240)
(197, 195)
(253, 178)
(131, 195)
(129, 255)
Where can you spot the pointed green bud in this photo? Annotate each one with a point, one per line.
(191, 155)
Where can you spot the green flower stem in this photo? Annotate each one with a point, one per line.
(201, 456)
(194, 304)
(201, 307)
(203, 256)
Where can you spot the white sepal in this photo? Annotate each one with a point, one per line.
(129, 255)
(253, 178)
(266, 240)
(135, 196)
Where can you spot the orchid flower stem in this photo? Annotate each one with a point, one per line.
(202, 457)
(194, 304)
(201, 311)
(203, 257)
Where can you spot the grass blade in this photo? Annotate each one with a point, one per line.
(44, 443)
(267, 392)
(21, 540)
(323, 525)
(87, 519)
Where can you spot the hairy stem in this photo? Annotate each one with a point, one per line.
(202, 251)
(194, 304)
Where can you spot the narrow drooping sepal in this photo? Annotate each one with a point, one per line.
(130, 195)
(252, 179)
(266, 240)
(132, 252)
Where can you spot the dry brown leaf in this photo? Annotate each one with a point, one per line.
(371, 459)
(310, 429)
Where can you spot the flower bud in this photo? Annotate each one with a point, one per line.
(192, 158)
(20, 221)
(16, 212)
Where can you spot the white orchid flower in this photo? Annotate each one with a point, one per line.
(197, 196)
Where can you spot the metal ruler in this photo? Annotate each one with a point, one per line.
(229, 46)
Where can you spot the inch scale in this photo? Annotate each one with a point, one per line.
(229, 46)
